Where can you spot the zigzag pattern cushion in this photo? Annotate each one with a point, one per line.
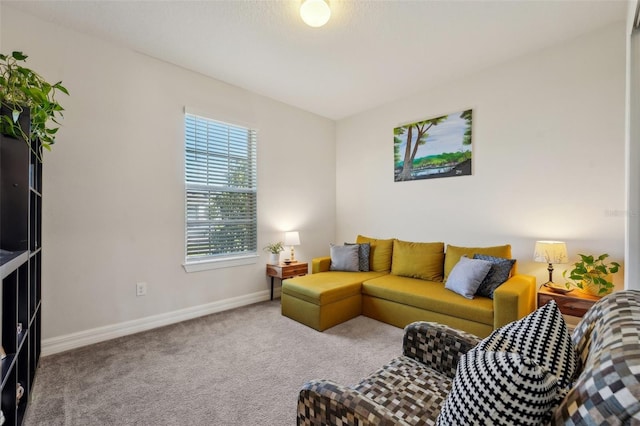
(542, 336)
(498, 274)
(498, 388)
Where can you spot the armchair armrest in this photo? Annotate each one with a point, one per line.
(324, 402)
(437, 345)
(514, 299)
(320, 264)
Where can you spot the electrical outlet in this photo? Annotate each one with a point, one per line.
(141, 289)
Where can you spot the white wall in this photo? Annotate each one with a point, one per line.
(113, 184)
(548, 158)
(548, 163)
(632, 253)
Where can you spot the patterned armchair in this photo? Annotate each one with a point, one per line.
(606, 390)
(412, 389)
(407, 391)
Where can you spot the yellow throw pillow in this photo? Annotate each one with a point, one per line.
(381, 251)
(453, 254)
(418, 260)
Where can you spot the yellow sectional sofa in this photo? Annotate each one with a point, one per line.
(406, 283)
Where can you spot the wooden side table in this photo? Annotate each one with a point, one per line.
(283, 271)
(575, 303)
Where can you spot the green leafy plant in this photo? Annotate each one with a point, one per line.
(24, 90)
(275, 248)
(592, 272)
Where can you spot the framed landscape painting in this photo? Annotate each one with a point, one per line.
(433, 148)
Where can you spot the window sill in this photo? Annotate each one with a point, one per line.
(205, 265)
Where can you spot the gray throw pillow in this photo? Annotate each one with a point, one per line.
(364, 252)
(467, 275)
(344, 258)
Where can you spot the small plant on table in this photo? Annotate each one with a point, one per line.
(591, 274)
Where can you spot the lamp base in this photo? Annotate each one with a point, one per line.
(550, 269)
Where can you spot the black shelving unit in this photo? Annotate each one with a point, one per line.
(20, 269)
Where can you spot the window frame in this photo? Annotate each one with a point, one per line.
(216, 261)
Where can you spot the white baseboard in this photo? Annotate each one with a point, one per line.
(100, 334)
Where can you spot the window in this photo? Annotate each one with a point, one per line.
(221, 190)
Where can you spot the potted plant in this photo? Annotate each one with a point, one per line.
(591, 274)
(274, 250)
(25, 92)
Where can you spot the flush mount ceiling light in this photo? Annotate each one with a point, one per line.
(315, 13)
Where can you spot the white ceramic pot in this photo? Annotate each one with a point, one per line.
(274, 258)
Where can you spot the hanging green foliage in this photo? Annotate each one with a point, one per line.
(23, 90)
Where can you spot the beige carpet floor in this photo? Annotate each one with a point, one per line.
(239, 367)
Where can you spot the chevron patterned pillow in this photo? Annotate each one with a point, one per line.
(498, 388)
(542, 336)
(498, 274)
(517, 375)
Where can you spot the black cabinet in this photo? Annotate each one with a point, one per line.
(20, 269)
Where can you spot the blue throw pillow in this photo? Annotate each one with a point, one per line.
(499, 273)
(467, 275)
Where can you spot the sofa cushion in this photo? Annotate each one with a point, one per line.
(542, 336)
(344, 258)
(418, 260)
(364, 254)
(408, 388)
(326, 287)
(498, 274)
(499, 388)
(381, 251)
(467, 275)
(429, 295)
(454, 253)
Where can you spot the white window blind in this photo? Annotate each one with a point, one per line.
(221, 189)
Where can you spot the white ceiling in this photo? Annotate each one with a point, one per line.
(370, 53)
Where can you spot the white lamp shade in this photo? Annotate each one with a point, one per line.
(292, 238)
(551, 252)
(315, 13)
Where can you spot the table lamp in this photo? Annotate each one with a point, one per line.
(550, 252)
(292, 239)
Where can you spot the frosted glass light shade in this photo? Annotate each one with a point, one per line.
(551, 252)
(315, 13)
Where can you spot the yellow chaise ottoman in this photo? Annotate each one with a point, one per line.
(325, 299)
